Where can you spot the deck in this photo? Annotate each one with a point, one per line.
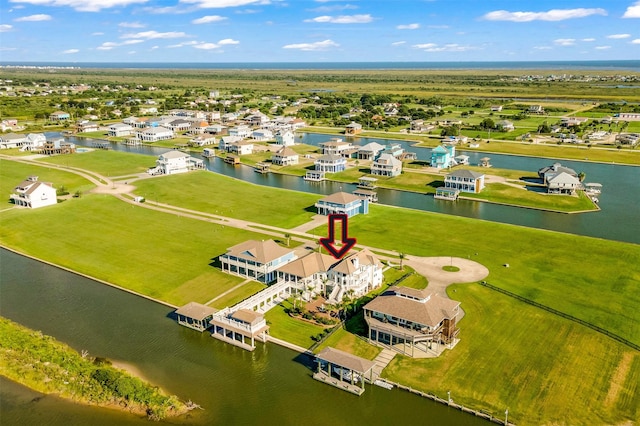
(340, 384)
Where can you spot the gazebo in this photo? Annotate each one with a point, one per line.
(343, 370)
(484, 162)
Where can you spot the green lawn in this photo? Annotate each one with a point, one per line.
(107, 163)
(144, 251)
(238, 295)
(291, 329)
(209, 192)
(544, 369)
(593, 279)
(12, 173)
(349, 342)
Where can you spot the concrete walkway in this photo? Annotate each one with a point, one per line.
(382, 360)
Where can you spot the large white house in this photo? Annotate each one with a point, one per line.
(155, 134)
(258, 260)
(33, 142)
(32, 193)
(354, 276)
(173, 162)
(12, 140)
(285, 138)
(120, 129)
(386, 165)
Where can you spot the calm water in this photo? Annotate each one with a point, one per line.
(234, 387)
(620, 200)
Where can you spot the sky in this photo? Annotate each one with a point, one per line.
(318, 30)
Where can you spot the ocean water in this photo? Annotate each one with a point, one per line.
(622, 65)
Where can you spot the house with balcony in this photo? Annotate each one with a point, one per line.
(120, 130)
(353, 276)
(353, 128)
(174, 162)
(549, 172)
(563, 183)
(33, 142)
(257, 260)
(241, 328)
(58, 146)
(155, 134)
(336, 146)
(370, 151)
(262, 135)
(241, 131)
(308, 274)
(443, 156)
(330, 164)
(412, 322)
(386, 165)
(34, 194)
(202, 140)
(285, 156)
(12, 140)
(285, 137)
(240, 147)
(343, 203)
(59, 116)
(465, 181)
(87, 126)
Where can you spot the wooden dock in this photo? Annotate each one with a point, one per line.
(340, 384)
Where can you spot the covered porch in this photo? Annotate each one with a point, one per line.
(343, 370)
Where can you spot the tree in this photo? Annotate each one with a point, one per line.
(288, 238)
(487, 123)
(401, 256)
(581, 176)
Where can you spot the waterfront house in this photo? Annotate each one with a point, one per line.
(353, 128)
(34, 194)
(344, 370)
(330, 164)
(241, 131)
(12, 140)
(336, 146)
(353, 276)
(240, 328)
(285, 138)
(226, 141)
(344, 203)
(308, 274)
(386, 165)
(563, 183)
(549, 172)
(120, 130)
(202, 140)
(87, 126)
(173, 162)
(442, 156)
(394, 149)
(59, 116)
(409, 320)
(58, 146)
(155, 134)
(240, 147)
(195, 315)
(285, 156)
(262, 135)
(258, 260)
(369, 151)
(33, 142)
(465, 181)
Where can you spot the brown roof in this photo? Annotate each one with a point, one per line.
(248, 316)
(340, 198)
(259, 251)
(347, 267)
(344, 359)
(286, 152)
(308, 265)
(428, 312)
(196, 311)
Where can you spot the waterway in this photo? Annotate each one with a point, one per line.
(619, 201)
(235, 387)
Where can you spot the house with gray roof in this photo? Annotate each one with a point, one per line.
(258, 260)
(412, 321)
(548, 172)
(386, 165)
(563, 183)
(12, 140)
(343, 203)
(465, 181)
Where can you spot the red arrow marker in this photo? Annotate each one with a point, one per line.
(346, 243)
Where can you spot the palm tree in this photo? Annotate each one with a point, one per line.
(288, 238)
(401, 256)
(581, 176)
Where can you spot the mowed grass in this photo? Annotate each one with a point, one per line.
(12, 173)
(543, 368)
(107, 163)
(291, 329)
(160, 255)
(238, 295)
(593, 279)
(212, 193)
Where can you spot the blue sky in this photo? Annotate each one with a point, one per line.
(317, 30)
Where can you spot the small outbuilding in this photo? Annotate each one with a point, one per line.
(195, 315)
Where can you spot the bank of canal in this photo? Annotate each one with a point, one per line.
(271, 384)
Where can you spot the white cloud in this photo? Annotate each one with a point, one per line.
(97, 33)
(69, 51)
(342, 19)
(186, 43)
(565, 41)
(228, 41)
(108, 45)
(155, 47)
(602, 47)
(398, 43)
(408, 27)
(619, 36)
(131, 25)
(150, 35)
(219, 4)
(450, 47)
(588, 39)
(550, 15)
(337, 7)
(208, 19)
(318, 45)
(632, 11)
(542, 47)
(206, 46)
(5, 27)
(636, 41)
(34, 18)
(82, 5)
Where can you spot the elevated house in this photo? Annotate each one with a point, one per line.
(87, 126)
(174, 162)
(330, 164)
(411, 321)
(344, 203)
(155, 134)
(226, 141)
(353, 276)
(59, 116)
(563, 183)
(285, 137)
(370, 151)
(262, 135)
(394, 149)
(386, 165)
(33, 142)
(203, 140)
(258, 260)
(308, 274)
(12, 140)
(58, 146)
(336, 146)
(442, 156)
(548, 172)
(465, 181)
(285, 156)
(195, 315)
(120, 130)
(34, 194)
(353, 128)
(241, 328)
(241, 131)
(243, 147)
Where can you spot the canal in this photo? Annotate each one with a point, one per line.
(235, 387)
(619, 201)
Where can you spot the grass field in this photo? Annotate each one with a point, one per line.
(209, 192)
(107, 163)
(291, 329)
(544, 369)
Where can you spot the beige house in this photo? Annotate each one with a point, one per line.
(285, 156)
(258, 260)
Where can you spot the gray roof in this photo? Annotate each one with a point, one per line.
(259, 251)
(331, 157)
(463, 173)
(344, 359)
(174, 154)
